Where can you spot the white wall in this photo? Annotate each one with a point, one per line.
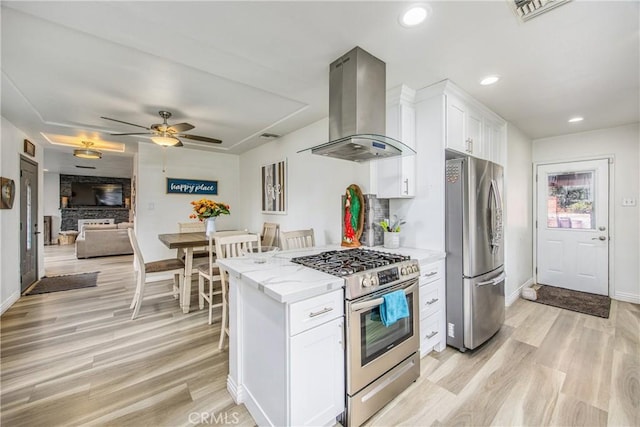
(315, 184)
(518, 219)
(623, 143)
(11, 148)
(51, 197)
(158, 212)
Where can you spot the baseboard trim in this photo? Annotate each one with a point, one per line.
(234, 391)
(510, 299)
(9, 302)
(626, 297)
(255, 410)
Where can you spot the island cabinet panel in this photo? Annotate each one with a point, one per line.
(286, 359)
(317, 374)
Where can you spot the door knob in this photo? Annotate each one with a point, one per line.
(599, 238)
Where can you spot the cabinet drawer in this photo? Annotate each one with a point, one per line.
(431, 272)
(430, 333)
(315, 311)
(431, 298)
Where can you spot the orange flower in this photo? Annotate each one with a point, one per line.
(205, 208)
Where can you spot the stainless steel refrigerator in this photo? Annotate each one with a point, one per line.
(475, 251)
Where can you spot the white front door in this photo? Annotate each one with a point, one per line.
(573, 225)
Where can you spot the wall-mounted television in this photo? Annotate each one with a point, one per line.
(90, 194)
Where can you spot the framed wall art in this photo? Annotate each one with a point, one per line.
(29, 148)
(8, 190)
(274, 187)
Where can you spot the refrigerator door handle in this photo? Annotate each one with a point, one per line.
(494, 281)
(495, 203)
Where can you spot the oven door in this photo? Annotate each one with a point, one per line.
(372, 348)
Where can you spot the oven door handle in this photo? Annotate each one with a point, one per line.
(359, 306)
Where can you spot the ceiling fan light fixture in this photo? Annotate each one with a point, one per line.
(165, 141)
(87, 152)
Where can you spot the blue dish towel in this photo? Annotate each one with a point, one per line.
(394, 307)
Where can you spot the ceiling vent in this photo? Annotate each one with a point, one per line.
(527, 9)
(269, 136)
(85, 167)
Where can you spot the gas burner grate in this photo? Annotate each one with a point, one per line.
(349, 261)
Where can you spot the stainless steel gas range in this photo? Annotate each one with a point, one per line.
(381, 361)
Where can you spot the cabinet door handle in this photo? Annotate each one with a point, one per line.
(431, 273)
(469, 142)
(433, 301)
(406, 186)
(431, 335)
(323, 311)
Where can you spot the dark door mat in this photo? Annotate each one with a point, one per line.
(582, 302)
(64, 283)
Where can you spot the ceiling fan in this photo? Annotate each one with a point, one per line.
(165, 134)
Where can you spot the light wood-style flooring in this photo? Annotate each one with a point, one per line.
(76, 358)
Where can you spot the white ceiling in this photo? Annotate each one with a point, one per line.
(237, 69)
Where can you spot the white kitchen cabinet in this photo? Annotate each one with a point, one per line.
(286, 358)
(464, 127)
(317, 374)
(432, 307)
(396, 177)
(470, 128)
(495, 135)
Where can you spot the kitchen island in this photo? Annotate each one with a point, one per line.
(286, 354)
(286, 344)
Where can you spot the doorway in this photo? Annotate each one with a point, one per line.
(28, 223)
(572, 225)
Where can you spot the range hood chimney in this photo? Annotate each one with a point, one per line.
(357, 101)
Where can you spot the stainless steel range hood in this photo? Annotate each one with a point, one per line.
(357, 100)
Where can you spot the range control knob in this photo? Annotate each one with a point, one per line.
(403, 271)
(374, 280)
(414, 268)
(366, 281)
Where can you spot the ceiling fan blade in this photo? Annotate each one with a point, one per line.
(134, 133)
(179, 144)
(180, 127)
(200, 138)
(126, 123)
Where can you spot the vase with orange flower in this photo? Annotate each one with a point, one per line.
(207, 210)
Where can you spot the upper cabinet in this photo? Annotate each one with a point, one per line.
(397, 176)
(470, 127)
(463, 126)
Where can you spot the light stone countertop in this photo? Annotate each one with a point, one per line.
(287, 282)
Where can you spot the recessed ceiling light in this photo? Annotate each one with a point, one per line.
(576, 119)
(489, 80)
(414, 16)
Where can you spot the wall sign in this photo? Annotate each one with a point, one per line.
(191, 186)
(274, 187)
(29, 148)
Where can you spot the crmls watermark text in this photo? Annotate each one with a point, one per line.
(213, 418)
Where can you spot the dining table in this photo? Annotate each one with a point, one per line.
(186, 242)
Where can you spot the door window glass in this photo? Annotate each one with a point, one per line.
(28, 225)
(570, 200)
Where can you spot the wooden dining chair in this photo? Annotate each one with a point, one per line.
(297, 239)
(154, 268)
(231, 247)
(270, 234)
(199, 253)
